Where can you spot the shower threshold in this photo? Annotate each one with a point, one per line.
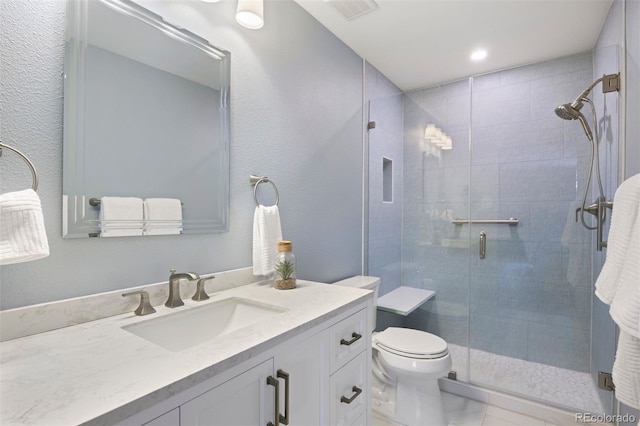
(567, 390)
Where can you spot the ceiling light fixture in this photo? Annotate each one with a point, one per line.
(210, 1)
(250, 14)
(478, 55)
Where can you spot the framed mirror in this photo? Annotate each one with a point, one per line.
(146, 119)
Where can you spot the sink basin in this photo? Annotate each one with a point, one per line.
(193, 326)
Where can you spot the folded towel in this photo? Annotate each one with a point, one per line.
(618, 285)
(120, 216)
(22, 234)
(266, 235)
(162, 216)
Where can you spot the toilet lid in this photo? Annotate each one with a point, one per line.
(411, 343)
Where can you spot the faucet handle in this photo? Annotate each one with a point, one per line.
(200, 294)
(145, 307)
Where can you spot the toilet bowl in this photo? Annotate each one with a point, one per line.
(406, 367)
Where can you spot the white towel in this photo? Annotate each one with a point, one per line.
(120, 216)
(22, 234)
(162, 216)
(618, 285)
(267, 232)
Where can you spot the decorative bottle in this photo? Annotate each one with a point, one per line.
(285, 267)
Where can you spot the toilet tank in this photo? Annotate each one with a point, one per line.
(368, 283)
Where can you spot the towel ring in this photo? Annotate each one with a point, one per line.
(257, 180)
(34, 173)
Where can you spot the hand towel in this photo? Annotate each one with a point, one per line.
(618, 285)
(267, 232)
(120, 216)
(22, 234)
(162, 216)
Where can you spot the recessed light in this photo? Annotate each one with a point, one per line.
(478, 54)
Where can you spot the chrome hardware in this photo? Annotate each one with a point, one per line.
(483, 244)
(174, 299)
(145, 307)
(371, 125)
(603, 205)
(257, 180)
(32, 168)
(284, 419)
(356, 391)
(200, 294)
(605, 381)
(599, 209)
(355, 336)
(610, 83)
(453, 375)
(276, 413)
(511, 221)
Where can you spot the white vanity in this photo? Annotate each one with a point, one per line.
(310, 357)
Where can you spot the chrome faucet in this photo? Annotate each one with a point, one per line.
(174, 299)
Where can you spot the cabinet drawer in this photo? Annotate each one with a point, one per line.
(350, 391)
(349, 337)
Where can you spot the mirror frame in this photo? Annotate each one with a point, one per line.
(76, 204)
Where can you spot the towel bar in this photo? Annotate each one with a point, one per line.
(510, 221)
(95, 202)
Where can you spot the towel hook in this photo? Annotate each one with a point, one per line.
(257, 180)
(34, 173)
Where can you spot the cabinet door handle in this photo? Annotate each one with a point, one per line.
(284, 419)
(276, 412)
(356, 391)
(355, 336)
(483, 245)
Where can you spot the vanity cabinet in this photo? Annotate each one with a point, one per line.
(320, 378)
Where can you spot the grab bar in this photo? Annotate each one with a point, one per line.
(512, 221)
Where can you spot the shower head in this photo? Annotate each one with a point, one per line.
(572, 112)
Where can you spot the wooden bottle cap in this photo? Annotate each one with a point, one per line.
(284, 246)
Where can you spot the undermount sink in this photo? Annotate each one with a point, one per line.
(193, 326)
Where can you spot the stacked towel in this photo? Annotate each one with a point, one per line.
(619, 286)
(267, 232)
(162, 216)
(120, 216)
(22, 234)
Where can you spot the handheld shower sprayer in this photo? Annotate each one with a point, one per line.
(571, 111)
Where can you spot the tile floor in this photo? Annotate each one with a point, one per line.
(466, 412)
(567, 388)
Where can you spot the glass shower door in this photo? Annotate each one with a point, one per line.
(530, 295)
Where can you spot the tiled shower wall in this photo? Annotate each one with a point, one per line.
(530, 298)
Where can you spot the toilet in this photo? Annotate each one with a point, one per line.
(406, 367)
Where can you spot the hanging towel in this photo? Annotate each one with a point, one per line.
(162, 216)
(618, 285)
(120, 216)
(267, 232)
(22, 234)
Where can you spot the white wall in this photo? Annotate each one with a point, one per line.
(296, 94)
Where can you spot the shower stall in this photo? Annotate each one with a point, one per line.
(489, 222)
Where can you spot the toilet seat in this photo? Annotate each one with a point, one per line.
(410, 343)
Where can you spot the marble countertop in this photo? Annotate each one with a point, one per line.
(97, 372)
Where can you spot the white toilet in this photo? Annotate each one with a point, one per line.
(406, 367)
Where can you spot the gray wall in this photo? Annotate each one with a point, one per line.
(296, 95)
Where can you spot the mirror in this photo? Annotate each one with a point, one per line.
(145, 116)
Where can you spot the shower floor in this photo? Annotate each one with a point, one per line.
(558, 386)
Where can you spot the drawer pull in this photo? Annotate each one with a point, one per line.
(284, 419)
(356, 391)
(274, 382)
(355, 336)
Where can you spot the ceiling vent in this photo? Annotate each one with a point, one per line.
(351, 9)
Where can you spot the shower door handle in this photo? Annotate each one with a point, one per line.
(483, 244)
